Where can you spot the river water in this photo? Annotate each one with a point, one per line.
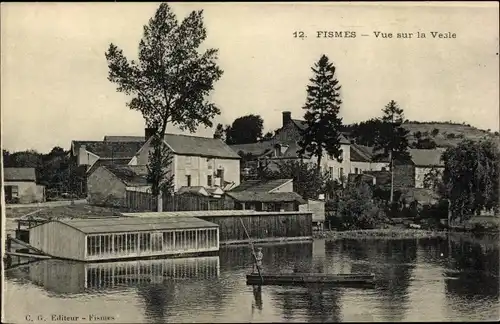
(416, 280)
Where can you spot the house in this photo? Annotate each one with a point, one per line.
(284, 146)
(265, 195)
(364, 158)
(20, 186)
(108, 184)
(425, 161)
(88, 156)
(197, 161)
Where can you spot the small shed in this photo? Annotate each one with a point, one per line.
(20, 186)
(265, 201)
(124, 237)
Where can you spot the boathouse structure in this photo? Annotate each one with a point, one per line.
(243, 226)
(102, 239)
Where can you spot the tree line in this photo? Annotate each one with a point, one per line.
(56, 170)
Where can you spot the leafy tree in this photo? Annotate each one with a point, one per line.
(307, 182)
(471, 177)
(364, 132)
(244, 130)
(220, 132)
(268, 136)
(425, 143)
(391, 141)
(323, 131)
(357, 209)
(171, 80)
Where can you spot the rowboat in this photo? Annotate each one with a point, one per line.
(310, 278)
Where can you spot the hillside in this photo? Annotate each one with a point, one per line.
(422, 134)
(447, 134)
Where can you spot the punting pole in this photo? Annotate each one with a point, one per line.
(253, 251)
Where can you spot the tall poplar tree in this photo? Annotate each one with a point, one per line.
(391, 138)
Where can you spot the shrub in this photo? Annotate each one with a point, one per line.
(356, 208)
(435, 131)
(450, 135)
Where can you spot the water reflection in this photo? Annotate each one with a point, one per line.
(450, 279)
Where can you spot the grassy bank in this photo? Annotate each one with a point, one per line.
(391, 233)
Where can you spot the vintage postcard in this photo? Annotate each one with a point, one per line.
(250, 162)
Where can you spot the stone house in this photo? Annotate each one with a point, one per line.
(197, 161)
(284, 146)
(363, 158)
(107, 185)
(425, 161)
(20, 186)
(88, 156)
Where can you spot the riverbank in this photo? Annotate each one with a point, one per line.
(62, 211)
(390, 233)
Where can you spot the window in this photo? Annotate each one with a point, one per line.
(188, 160)
(145, 241)
(157, 241)
(331, 170)
(341, 172)
(209, 164)
(209, 180)
(188, 180)
(15, 191)
(356, 170)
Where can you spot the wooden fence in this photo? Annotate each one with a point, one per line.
(143, 201)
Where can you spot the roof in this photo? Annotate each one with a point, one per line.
(208, 213)
(381, 177)
(251, 196)
(104, 162)
(19, 174)
(302, 125)
(427, 158)
(422, 195)
(364, 153)
(261, 185)
(197, 190)
(200, 146)
(256, 149)
(117, 138)
(131, 175)
(135, 224)
(359, 155)
(109, 149)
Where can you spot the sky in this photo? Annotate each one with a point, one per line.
(54, 86)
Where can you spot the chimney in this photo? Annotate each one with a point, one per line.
(148, 132)
(287, 117)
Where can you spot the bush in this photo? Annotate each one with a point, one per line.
(435, 132)
(357, 210)
(450, 135)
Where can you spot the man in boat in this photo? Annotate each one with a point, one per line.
(258, 256)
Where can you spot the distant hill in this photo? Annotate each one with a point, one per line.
(443, 134)
(446, 134)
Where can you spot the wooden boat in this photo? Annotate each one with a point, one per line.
(310, 278)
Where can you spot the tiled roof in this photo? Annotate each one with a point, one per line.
(131, 175)
(133, 224)
(109, 149)
(427, 158)
(359, 155)
(260, 185)
(251, 196)
(256, 149)
(209, 213)
(19, 174)
(301, 124)
(200, 146)
(103, 162)
(115, 138)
